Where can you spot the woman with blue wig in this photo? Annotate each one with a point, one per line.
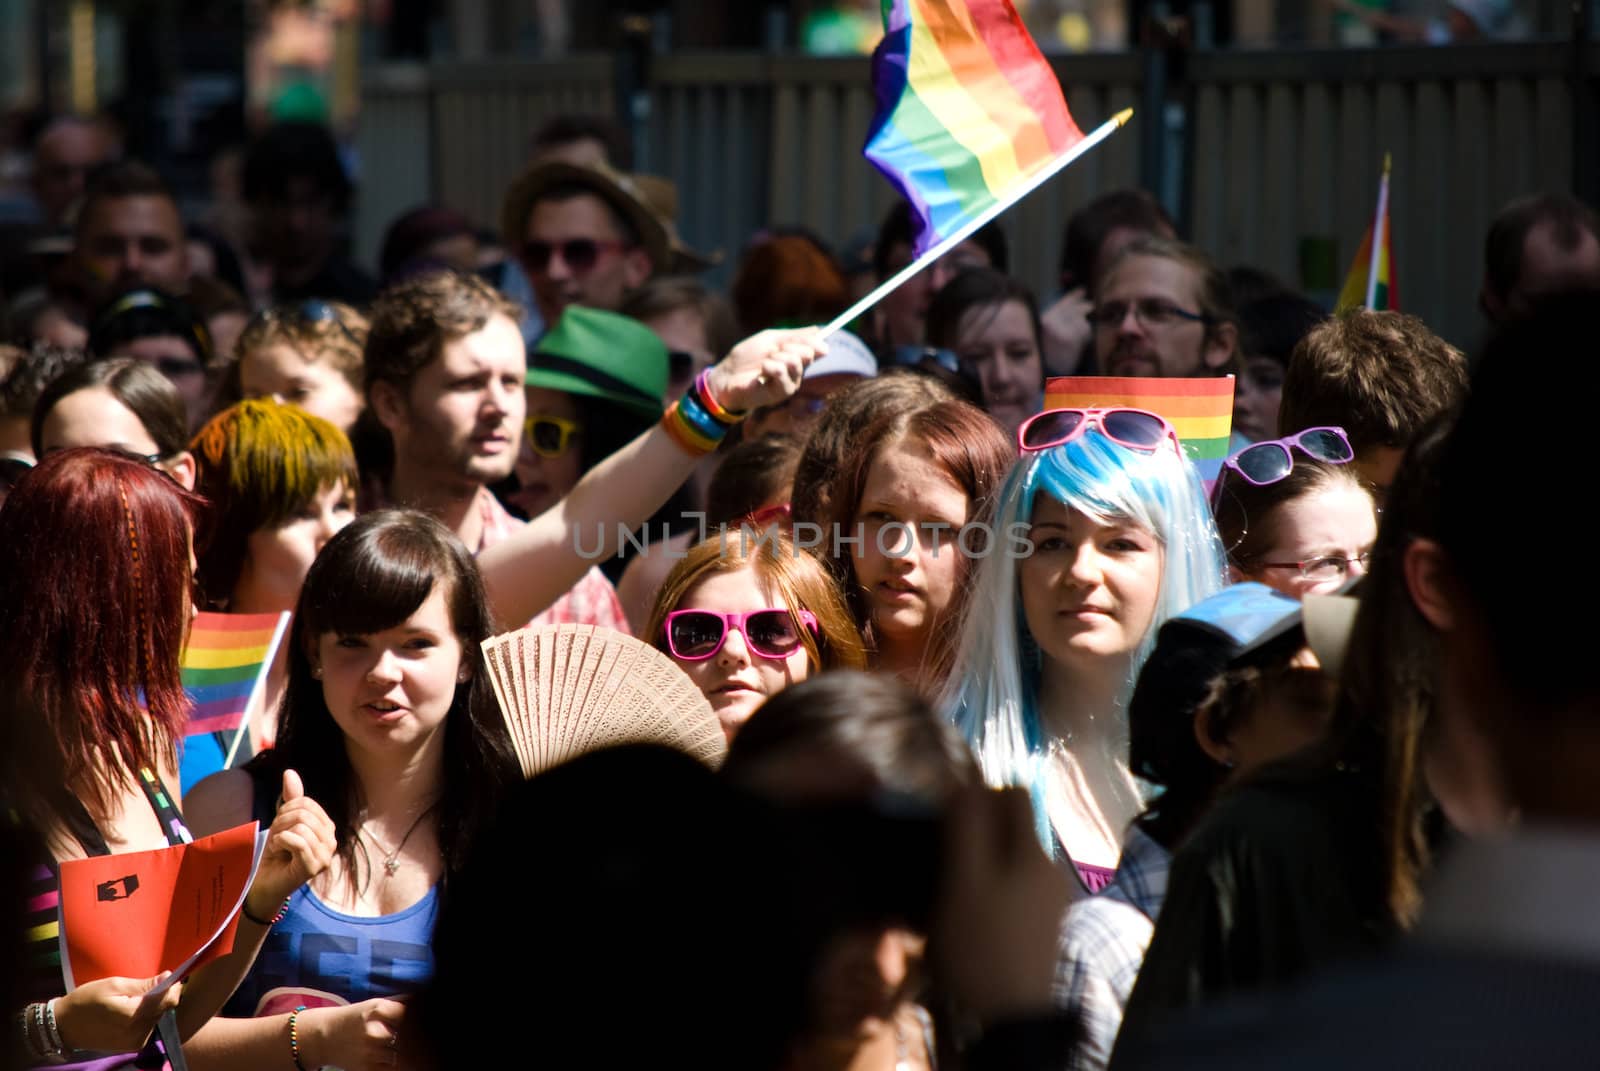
(1101, 534)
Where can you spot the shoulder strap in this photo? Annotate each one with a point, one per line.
(171, 821)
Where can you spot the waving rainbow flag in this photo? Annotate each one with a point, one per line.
(968, 109)
(225, 663)
(1370, 284)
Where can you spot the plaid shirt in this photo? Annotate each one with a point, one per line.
(1103, 940)
(592, 600)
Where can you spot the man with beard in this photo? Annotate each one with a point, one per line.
(1163, 309)
(445, 365)
(129, 233)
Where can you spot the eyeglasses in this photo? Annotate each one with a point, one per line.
(1268, 462)
(579, 254)
(550, 436)
(1137, 429)
(696, 635)
(1149, 312)
(1331, 567)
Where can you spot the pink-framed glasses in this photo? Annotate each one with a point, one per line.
(1137, 429)
(696, 635)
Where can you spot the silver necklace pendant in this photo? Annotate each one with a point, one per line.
(390, 866)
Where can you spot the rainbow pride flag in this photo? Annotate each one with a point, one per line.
(225, 666)
(968, 110)
(1370, 284)
(1199, 410)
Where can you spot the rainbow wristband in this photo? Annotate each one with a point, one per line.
(702, 391)
(692, 411)
(294, 1035)
(685, 433)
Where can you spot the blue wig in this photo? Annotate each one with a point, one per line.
(993, 694)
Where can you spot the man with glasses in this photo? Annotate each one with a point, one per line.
(588, 235)
(1162, 309)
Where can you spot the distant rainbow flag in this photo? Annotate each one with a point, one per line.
(968, 110)
(1199, 410)
(225, 666)
(1370, 284)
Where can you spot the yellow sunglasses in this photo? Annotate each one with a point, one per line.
(550, 436)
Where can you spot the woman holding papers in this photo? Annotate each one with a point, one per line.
(386, 691)
(92, 711)
(1117, 539)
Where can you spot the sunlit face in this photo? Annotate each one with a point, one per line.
(96, 417)
(393, 689)
(461, 420)
(1089, 590)
(290, 375)
(1133, 346)
(544, 481)
(1257, 394)
(737, 680)
(998, 344)
(278, 558)
(1336, 520)
(908, 562)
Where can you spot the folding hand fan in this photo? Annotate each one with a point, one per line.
(568, 689)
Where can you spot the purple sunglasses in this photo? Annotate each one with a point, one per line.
(1268, 462)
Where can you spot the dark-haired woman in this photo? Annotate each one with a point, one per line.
(121, 402)
(91, 708)
(991, 322)
(386, 692)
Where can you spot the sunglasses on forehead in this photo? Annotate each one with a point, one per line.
(578, 254)
(1137, 429)
(696, 635)
(310, 313)
(1268, 462)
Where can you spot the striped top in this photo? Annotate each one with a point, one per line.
(42, 978)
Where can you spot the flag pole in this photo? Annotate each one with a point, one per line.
(1379, 227)
(972, 226)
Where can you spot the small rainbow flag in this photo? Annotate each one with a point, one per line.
(1370, 284)
(968, 110)
(225, 665)
(1199, 410)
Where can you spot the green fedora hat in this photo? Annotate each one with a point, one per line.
(602, 355)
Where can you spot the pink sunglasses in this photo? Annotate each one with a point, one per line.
(1137, 429)
(696, 635)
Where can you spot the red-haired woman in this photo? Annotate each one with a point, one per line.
(96, 561)
(895, 528)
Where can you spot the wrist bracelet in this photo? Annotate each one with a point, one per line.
(686, 434)
(294, 1037)
(50, 1025)
(244, 909)
(702, 387)
(34, 1049)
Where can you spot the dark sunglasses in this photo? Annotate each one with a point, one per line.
(1268, 462)
(550, 436)
(696, 635)
(1137, 429)
(579, 254)
(309, 313)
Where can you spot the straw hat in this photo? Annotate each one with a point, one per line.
(648, 202)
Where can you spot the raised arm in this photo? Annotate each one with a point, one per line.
(541, 562)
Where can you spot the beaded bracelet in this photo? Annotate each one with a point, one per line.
(34, 1049)
(244, 909)
(50, 1025)
(294, 1038)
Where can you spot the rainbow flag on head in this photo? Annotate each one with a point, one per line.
(1370, 284)
(968, 109)
(225, 665)
(1199, 410)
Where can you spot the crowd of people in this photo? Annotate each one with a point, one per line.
(1043, 752)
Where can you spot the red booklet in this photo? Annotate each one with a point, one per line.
(141, 913)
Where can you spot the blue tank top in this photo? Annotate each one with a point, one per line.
(324, 958)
